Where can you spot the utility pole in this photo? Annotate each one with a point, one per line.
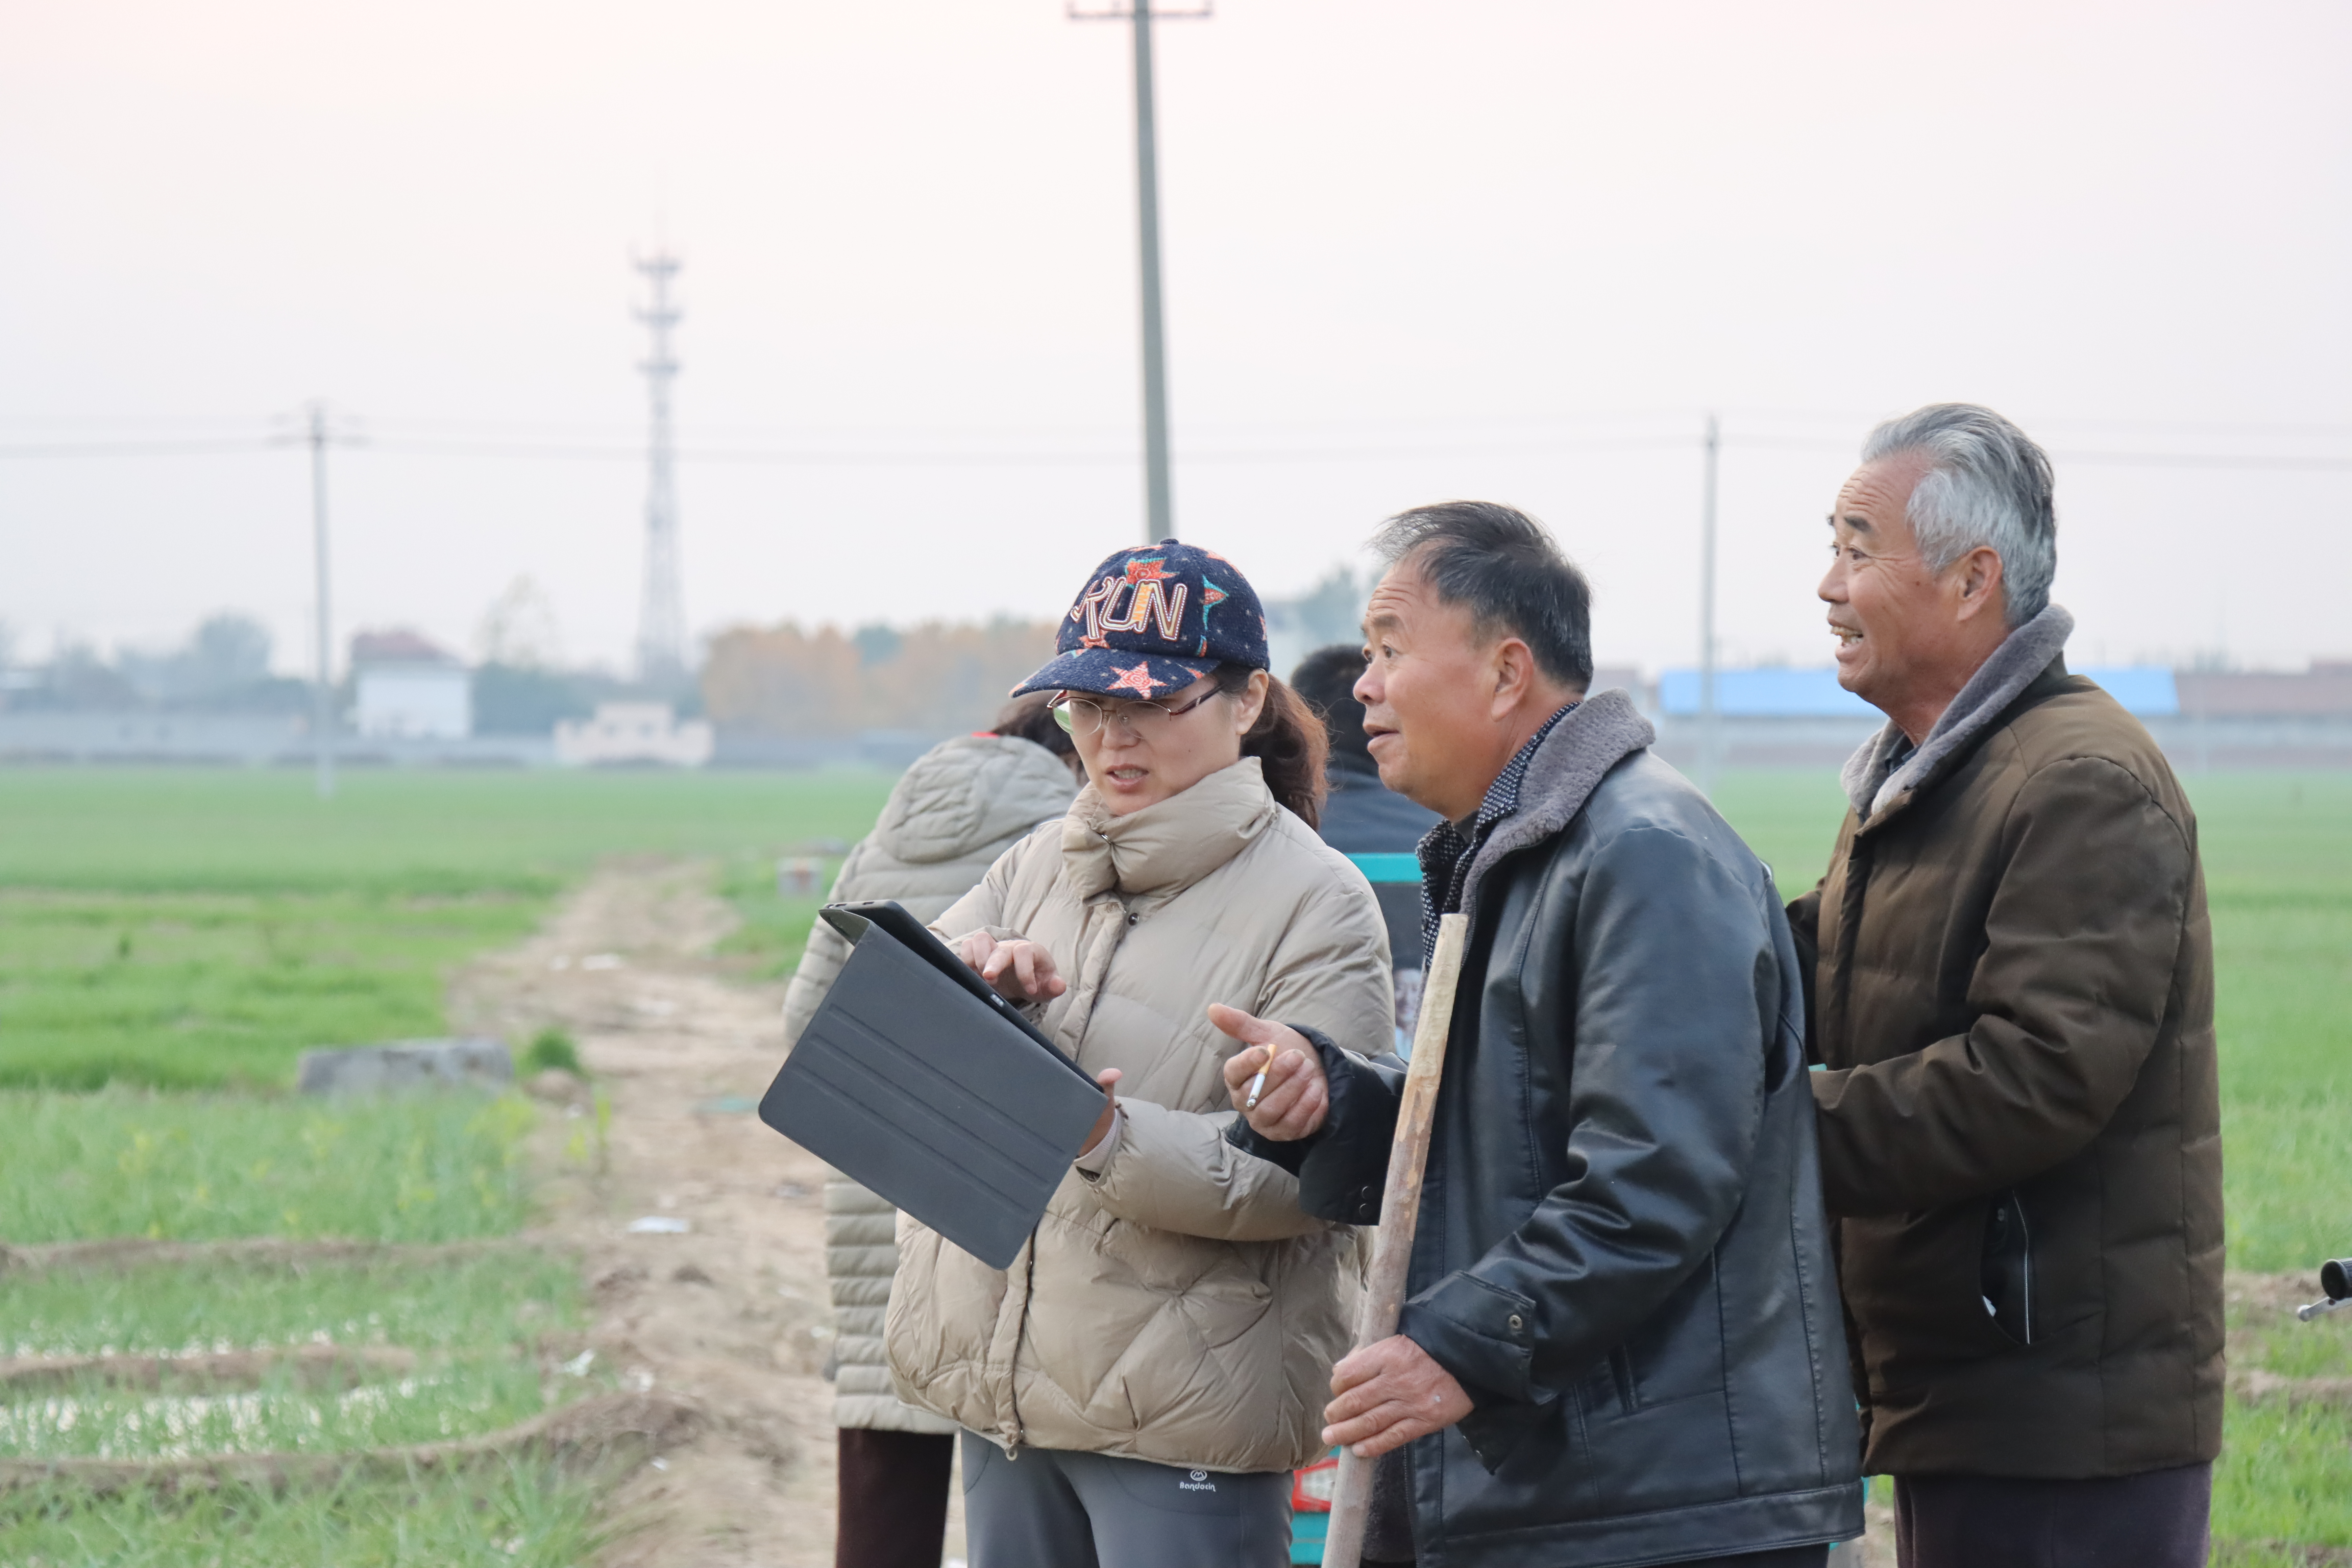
(322, 697)
(1709, 744)
(1159, 521)
(661, 613)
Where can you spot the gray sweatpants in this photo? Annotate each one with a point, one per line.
(1048, 1508)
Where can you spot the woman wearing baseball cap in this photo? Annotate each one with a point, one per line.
(1139, 1385)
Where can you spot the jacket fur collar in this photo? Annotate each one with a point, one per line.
(1874, 782)
(1567, 768)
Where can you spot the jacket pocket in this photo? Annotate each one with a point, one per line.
(1621, 1373)
(2005, 1269)
(1915, 1287)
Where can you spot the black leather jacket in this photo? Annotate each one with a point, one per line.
(1622, 1254)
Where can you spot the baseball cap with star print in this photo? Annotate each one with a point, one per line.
(1153, 620)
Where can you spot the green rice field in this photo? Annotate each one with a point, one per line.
(399, 832)
(198, 929)
(170, 941)
(215, 1167)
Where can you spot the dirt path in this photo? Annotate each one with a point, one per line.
(734, 1313)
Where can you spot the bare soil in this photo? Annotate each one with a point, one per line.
(732, 1314)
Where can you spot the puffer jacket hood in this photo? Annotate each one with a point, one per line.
(970, 794)
(1176, 1306)
(960, 806)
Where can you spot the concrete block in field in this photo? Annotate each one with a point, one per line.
(400, 1066)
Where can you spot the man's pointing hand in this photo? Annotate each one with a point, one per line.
(1292, 1101)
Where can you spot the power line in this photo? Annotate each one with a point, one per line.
(396, 446)
(144, 448)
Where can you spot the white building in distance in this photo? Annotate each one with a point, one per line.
(407, 688)
(623, 733)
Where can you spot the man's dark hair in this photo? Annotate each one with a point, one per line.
(1500, 564)
(1326, 678)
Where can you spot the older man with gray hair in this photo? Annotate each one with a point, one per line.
(2012, 1007)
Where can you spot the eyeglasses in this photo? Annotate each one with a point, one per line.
(1084, 716)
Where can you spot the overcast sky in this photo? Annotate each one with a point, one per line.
(1503, 248)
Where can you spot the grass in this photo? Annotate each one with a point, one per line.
(195, 931)
(2285, 1471)
(507, 1300)
(551, 1050)
(197, 1168)
(475, 1321)
(190, 928)
(775, 928)
(204, 990)
(522, 1514)
(2278, 865)
(469, 1399)
(2284, 1475)
(432, 834)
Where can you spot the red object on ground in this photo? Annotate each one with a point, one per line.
(1311, 1488)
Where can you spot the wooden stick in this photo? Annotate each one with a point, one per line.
(1351, 1497)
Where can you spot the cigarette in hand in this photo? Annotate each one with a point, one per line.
(1257, 1084)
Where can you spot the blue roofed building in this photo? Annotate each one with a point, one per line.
(1780, 717)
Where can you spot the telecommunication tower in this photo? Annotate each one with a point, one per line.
(661, 615)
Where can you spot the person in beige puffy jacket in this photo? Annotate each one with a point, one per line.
(1136, 1387)
(962, 804)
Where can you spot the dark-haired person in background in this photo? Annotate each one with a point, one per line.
(1621, 1343)
(1365, 820)
(1361, 815)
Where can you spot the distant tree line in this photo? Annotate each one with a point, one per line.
(935, 679)
(222, 667)
(932, 678)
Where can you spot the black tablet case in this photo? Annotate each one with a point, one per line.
(919, 1083)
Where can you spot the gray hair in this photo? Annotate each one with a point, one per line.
(1988, 486)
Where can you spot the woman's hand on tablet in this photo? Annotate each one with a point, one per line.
(1020, 971)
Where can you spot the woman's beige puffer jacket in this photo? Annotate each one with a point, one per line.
(1179, 1307)
(962, 804)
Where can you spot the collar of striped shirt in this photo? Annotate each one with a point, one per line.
(1448, 848)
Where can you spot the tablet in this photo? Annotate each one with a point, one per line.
(851, 920)
(918, 1082)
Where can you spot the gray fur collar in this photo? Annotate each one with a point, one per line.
(1872, 784)
(1566, 769)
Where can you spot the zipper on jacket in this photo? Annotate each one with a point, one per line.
(2026, 1232)
(1012, 1367)
(2006, 1268)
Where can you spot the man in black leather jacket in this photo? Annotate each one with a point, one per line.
(1622, 1342)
